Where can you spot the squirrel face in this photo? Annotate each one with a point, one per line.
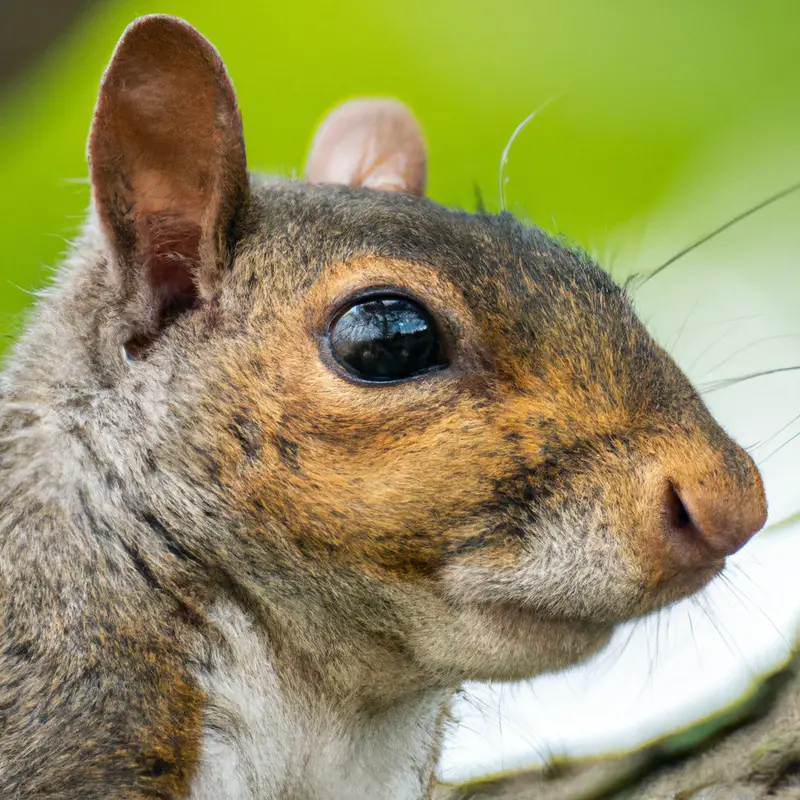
(444, 424)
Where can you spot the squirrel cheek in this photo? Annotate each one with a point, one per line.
(634, 535)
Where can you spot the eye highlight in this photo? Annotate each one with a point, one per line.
(386, 338)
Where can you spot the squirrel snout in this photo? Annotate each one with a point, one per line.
(706, 520)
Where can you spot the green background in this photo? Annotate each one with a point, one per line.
(640, 89)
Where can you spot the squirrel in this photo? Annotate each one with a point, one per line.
(284, 462)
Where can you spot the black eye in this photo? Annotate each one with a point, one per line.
(386, 339)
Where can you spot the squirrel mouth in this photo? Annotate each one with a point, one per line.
(603, 619)
(679, 585)
(546, 621)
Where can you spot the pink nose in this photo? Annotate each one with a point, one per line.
(706, 524)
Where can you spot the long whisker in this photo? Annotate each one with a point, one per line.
(777, 432)
(612, 655)
(706, 350)
(750, 346)
(731, 320)
(507, 149)
(725, 383)
(748, 603)
(694, 635)
(683, 326)
(733, 648)
(720, 229)
(490, 713)
(763, 461)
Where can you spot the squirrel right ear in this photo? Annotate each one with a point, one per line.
(374, 143)
(167, 165)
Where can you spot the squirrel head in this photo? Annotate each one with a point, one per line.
(440, 424)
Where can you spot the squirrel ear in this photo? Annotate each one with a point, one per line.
(167, 165)
(373, 143)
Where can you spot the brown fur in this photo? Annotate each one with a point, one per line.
(492, 520)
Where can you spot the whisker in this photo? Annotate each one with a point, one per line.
(743, 573)
(778, 449)
(507, 149)
(490, 712)
(651, 646)
(733, 648)
(614, 654)
(731, 320)
(741, 596)
(777, 432)
(749, 346)
(720, 229)
(726, 383)
(694, 635)
(683, 326)
(706, 350)
(657, 648)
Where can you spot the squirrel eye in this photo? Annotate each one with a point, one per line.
(386, 339)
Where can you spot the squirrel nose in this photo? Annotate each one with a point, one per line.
(705, 523)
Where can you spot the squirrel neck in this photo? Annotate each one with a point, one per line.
(261, 741)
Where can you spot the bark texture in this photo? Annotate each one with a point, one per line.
(748, 752)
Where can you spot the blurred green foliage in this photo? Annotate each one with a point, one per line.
(639, 87)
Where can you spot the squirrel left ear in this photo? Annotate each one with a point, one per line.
(168, 169)
(375, 143)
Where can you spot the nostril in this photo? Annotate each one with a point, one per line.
(706, 523)
(677, 515)
(708, 508)
(687, 539)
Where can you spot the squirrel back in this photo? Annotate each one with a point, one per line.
(282, 463)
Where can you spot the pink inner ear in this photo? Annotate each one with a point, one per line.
(172, 248)
(170, 221)
(167, 165)
(374, 143)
